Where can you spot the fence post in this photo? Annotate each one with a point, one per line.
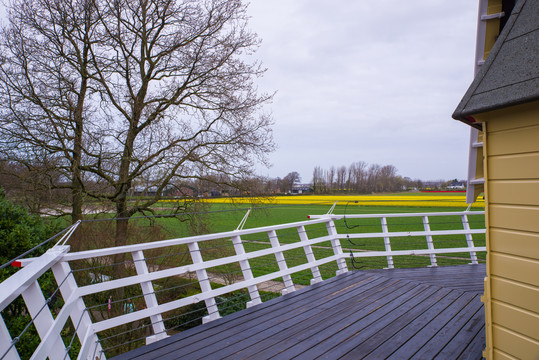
(246, 270)
(469, 238)
(42, 317)
(204, 281)
(317, 277)
(89, 352)
(337, 249)
(79, 316)
(5, 343)
(158, 326)
(387, 242)
(281, 261)
(430, 244)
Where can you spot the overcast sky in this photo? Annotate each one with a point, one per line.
(360, 80)
(374, 81)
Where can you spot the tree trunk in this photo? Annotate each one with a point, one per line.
(120, 238)
(78, 116)
(76, 189)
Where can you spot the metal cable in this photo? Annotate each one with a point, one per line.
(208, 212)
(34, 248)
(15, 340)
(68, 348)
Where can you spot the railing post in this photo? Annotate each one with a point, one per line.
(247, 273)
(42, 317)
(15, 285)
(204, 281)
(430, 244)
(5, 343)
(281, 261)
(158, 326)
(337, 249)
(317, 277)
(469, 238)
(89, 352)
(79, 316)
(387, 243)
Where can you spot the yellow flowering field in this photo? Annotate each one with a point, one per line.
(427, 200)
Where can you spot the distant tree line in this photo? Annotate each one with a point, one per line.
(39, 189)
(361, 178)
(358, 178)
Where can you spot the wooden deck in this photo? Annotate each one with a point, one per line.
(421, 313)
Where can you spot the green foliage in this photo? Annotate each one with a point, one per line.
(19, 232)
(27, 341)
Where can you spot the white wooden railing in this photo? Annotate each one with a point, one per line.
(331, 245)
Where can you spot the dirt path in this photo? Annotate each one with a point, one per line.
(271, 286)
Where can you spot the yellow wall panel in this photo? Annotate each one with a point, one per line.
(521, 192)
(523, 218)
(514, 243)
(498, 355)
(494, 6)
(479, 171)
(521, 166)
(515, 344)
(514, 268)
(511, 147)
(518, 294)
(515, 319)
(492, 32)
(492, 26)
(517, 141)
(512, 117)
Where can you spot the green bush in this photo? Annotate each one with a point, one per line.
(19, 232)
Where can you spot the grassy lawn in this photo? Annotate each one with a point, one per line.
(226, 217)
(221, 217)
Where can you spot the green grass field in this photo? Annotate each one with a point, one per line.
(219, 217)
(226, 217)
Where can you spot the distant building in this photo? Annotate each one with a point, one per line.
(432, 185)
(301, 189)
(457, 185)
(142, 191)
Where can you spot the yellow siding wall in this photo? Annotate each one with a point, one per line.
(493, 26)
(512, 194)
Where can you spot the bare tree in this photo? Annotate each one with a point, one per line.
(350, 178)
(330, 179)
(341, 178)
(44, 87)
(319, 180)
(180, 99)
(157, 92)
(289, 180)
(35, 187)
(388, 178)
(373, 178)
(359, 175)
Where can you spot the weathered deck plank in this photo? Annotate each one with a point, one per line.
(398, 314)
(435, 335)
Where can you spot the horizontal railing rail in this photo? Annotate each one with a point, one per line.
(317, 248)
(427, 233)
(396, 215)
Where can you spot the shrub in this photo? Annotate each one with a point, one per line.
(19, 232)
